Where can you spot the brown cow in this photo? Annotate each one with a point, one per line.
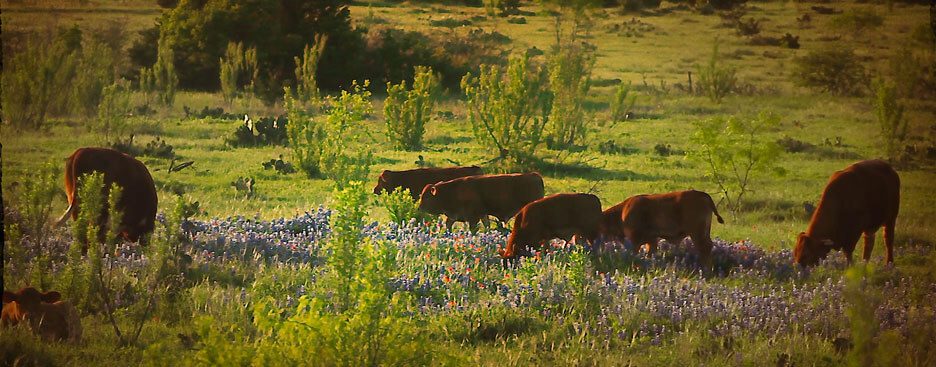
(45, 313)
(474, 198)
(416, 179)
(137, 203)
(857, 200)
(644, 219)
(556, 216)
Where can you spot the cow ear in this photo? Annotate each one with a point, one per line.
(51, 297)
(9, 297)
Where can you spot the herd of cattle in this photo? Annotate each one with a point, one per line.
(857, 200)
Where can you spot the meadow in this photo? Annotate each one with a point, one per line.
(264, 262)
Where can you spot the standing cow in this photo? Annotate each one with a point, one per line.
(645, 219)
(474, 198)
(416, 179)
(138, 200)
(45, 313)
(857, 200)
(556, 216)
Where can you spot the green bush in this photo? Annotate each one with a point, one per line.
(890, 117)
(408, 111)
(716, 80)
(167, 81)
(508, 109)
(833, 70)
(94, 72)
(112, 111)
(239, 71)
(857, 20)
(622, 103)
(735, 152)
(28, 250)
(322, 145)
(400, 206)
(570, 69)
(33, 81)
(307, 69)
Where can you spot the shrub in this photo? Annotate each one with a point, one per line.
(913, 73)
(890, 117)
(857, 20)
(307, 69)
(165, 74)
(239, 71)
(400, 206)
(95, 64)
(33, 81)
(715, 79)
(623, 102)
(408, 111)
(734, 152)
(266, 131)
(112, 111)
(570, 70)
(147, 84)
(834, 70)
(29, 250)
(750, 27)
(508, 109)
(322, 145)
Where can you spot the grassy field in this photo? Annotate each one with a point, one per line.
(655, 58)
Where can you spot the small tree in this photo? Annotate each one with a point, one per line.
(734, 151)
(889, 113)
(408, 111)
(239, 71)
(622, 102)
(147, 84)
(835, 70)
(715, 79)
(112, 111)
(570, 70)
(306, 136)
(508, 108)
(165, 74)
(95, 71)
(33, 82)
(306, 69)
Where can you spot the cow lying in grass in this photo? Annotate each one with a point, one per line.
(45, 313)
(564, 216)
(645, 219)
(857, 200)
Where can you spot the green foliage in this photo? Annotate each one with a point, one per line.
(400, 206)
(165, 74)
(33, 82)
(735, 152)
(112, 111)
(26, 244)
(857, 20)
(94, 71)
(622, 102)
(323, 145)
(862, 301)
(239, 71)
(307, 68)
(508, 109)
(913, 72)
(147, 84)
(570, 69)
(890, 117)
(408, 111)
(833, 70)
(716, 80)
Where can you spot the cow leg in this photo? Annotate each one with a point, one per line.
(703, 245)
(868, 245)
(889, 242)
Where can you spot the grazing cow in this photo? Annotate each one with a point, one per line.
(138, 201)
(857, 200)
(416, 179)
(474, 198)
(556, 216)
(644, 219)
(45, 313)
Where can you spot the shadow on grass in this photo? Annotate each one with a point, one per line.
(586, 171)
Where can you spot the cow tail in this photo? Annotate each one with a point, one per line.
(714, 209)
(71, 187)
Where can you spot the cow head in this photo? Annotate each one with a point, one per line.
(809, 251)
(383, 182)
(429, 200)
(29, 298)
